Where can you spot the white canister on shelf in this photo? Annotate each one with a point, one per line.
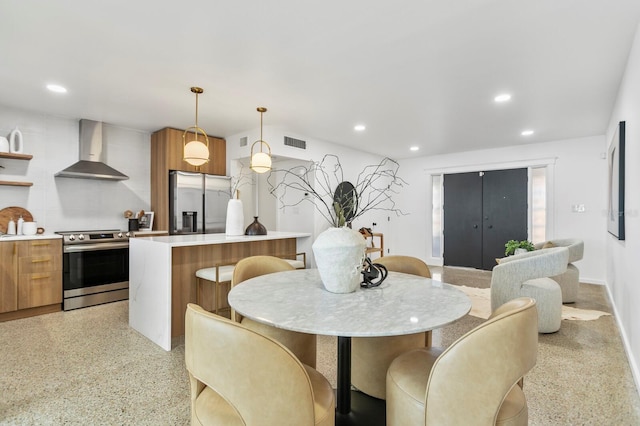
(4, 144)
(15, 141)
(20, 223)
(11, 227)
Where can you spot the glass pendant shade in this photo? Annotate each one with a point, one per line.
(260, 160)
(195, 152)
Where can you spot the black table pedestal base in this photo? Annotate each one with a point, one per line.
(365, 410)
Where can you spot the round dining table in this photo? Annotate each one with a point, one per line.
(297, 300)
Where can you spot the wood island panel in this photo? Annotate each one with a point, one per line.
(187, 260)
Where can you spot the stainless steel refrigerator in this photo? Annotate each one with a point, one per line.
(198, 203)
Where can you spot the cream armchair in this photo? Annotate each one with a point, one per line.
(568, 281)
(303, 345)
(527, 275)
(475, 381)
(371, 356)
(240, 377)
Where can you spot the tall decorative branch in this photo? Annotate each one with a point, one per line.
(243, 177)
(374, 188)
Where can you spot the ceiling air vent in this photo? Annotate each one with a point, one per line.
(243, 141)
(296, 143)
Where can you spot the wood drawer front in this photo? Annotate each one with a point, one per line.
(40, 289)
(39, 247)
(42, 263)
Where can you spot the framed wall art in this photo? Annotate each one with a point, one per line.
(615, 216)
(146, 221)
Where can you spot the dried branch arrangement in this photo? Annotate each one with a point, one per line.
(322, 183)
(244, 177)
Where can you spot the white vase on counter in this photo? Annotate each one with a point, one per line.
(235, 218)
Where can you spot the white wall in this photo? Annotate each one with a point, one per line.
(578, 177)
(623, 256)
(353, 162)
(63, 204)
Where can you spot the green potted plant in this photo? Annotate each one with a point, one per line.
(514, 247)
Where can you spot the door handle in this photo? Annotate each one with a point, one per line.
(490, 226)
(475, 226)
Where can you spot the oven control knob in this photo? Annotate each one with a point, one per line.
(128, 234)
(119, 234)
(81, 237)
(72, 237)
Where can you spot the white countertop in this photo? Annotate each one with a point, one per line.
(5, 237)
(206, 239)
(146, 233)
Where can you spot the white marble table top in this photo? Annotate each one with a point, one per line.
(296, 300)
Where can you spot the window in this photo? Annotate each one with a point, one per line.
(538, 204)
(436, 216)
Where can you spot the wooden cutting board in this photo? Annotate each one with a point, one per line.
(13, 212)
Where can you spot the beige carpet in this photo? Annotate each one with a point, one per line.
(481, 306)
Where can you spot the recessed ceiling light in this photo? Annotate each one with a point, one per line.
(415, 148)
(56, 88)
(359, 127)
(527, 132)
(504, 97)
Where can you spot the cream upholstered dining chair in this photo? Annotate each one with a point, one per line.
(371, 356)
(240, 377)
(475, 381)
(303, 345)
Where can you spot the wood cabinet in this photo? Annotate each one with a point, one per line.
(31, 280)
(8, 277)
(166, 155)
(15, 157)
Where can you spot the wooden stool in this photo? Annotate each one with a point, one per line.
(216, 275)
(296, 263)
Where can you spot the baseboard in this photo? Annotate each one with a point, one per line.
(592, 281)
(635, 372)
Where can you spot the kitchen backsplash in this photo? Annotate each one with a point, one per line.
(62, 204)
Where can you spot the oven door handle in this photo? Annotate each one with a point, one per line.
(94, 247)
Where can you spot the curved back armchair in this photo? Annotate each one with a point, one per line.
(303, 345)
(527, 274)
(569, 281)
(407, 264)
(241, 377)
(371, 356)
(473, 381)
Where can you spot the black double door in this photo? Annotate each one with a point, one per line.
(482, 211)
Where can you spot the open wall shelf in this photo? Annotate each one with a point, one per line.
(13, 156)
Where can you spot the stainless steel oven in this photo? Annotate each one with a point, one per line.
(95, 267)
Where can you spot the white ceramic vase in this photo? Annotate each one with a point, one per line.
(235, 218)
(15, 141)
(339, 254)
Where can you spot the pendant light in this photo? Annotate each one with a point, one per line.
(195, 152)
(260, 160)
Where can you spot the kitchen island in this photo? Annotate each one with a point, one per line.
(162, 271)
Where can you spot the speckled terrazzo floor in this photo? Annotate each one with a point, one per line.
(88, 367)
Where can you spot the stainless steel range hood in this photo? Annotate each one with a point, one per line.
(91, 164)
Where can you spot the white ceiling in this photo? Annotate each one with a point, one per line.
(419, 72)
